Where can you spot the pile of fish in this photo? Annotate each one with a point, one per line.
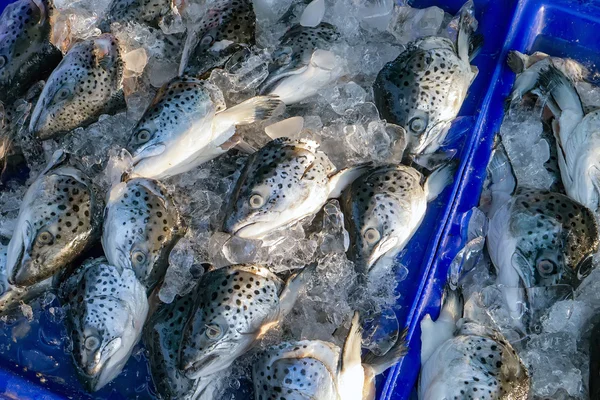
(103, 217)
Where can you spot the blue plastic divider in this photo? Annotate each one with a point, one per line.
(560, 27)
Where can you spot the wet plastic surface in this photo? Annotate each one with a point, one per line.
(36, 368)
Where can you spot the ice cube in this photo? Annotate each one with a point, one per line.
(183, 272)
(411, 23)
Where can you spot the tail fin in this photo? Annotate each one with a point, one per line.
(465, 32)
(558, 88)
(255, 109)
(439, 179)
(516, 61)
(381, 363)
(503, 181)
(475, 45)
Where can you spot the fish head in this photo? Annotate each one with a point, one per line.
(57, 221)
(108, 307)
(80, 88)
(177, 106)
(275, 184)
(141, 226)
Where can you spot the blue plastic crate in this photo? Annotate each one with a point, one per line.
(561, 27)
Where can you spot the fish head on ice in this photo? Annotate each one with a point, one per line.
(58, 219)
(280, 184)
(86, 83)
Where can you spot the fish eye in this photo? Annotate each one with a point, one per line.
(283, 56)
(138, 257)
(143, 135)
(206, 40)
(63, 93)
(213, 332)
(92, 343)
(2, 61)
(417, 125)
(545, 267)
(256, 201)
(45, 237)
(372, 235)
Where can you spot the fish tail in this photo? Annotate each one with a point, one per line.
(500, 170)
(255, 109)
(380, 363)
(560, 91)
(452, 304)
(439, 179)
(465, 34)
(515, 61)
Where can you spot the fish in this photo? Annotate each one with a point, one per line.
(60, 217)
(12, 296)
(577, 139)
(234, 308)
(141, 226)
(148, 12)
(282, 183)
(26, 53)
(535, 237)
(294, 53)
(107, 310)
(162, 337)
(315, 369)
(423, 89)
(528, 68)
(87, 83)
(225, 26)
(384, 208)
(463, 359)
(188, 124)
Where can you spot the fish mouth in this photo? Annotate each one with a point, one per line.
(194, 370)
(147, 152)
(384, 250)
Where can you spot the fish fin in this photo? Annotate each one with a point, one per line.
(439, 179)
(313, 14)
(433, 161)
(289, 127)
(380, 363)
(344, 177)
(191, 41)
(475, 72)
(59, 157)
(255, 109)
(554, 84)
(516, 61)
(503, 181)
(352, 345)
(433, 334)
(475, 45)
(292, 289)
(465, 31)
(116, 103)
(40, 5)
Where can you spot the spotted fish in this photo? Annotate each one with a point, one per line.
(226, 24)
(107, 310)
(188, 124)
(141, 226)
(162, 337)
(26, 54)
(383, 209)
(149, 12)
(235, 307)
(282, 183)
(295, 50)
(86, 84)
(536, 237)
(314, 369)
(59, 218)
(461, 360)
(423, 89)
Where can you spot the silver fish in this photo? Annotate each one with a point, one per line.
(466, 360)
(162, 337)
(225, 24)
(59, 218)
(86, 84)
(535, 237)
(295, 50)
(188, 124)
(149, 12)
(314, 369)
(424, 88)
(384, 208)
(235, 307)
(26, 54)
(283, 182)
(141, 226)
(577, 138)
(107, 310)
